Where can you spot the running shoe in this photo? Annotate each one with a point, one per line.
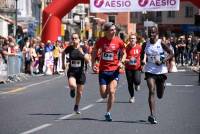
(108, 117)
(152, 120)
(132, 100)
(72, 93)
(137, 87)
(76, 109)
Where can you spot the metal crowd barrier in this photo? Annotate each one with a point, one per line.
(3, 72)
(14, 65)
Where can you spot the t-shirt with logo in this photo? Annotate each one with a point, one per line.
(110, 49)
(133, 55)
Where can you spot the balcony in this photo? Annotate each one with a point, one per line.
(7, 6)
(158, 19)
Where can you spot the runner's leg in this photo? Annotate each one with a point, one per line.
(111, 97)
(72, 86)
(129, 77)
(151, 85)
(79, 93)
(160, 87)
(137, 79)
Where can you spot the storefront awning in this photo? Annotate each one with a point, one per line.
(9, 20)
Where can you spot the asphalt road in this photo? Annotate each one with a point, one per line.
(42, 105)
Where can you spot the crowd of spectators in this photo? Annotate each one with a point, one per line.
(186, 51)
(35, 57)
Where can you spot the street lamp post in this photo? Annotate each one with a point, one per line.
(81, 21)
(96, 27)
(82, 24)
(102, 21)
(15, 29)
(39, 7)
(145, 13)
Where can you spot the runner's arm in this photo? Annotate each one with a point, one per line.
(168, 50)
(124, 55)
(143, 56)
(85, 55)
(63, 59)
(94, 54)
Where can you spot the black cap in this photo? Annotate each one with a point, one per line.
(107, 26)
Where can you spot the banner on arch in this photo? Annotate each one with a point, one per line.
(100, 6)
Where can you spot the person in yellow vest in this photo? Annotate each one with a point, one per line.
(56, 52)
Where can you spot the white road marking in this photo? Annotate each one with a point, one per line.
(99, 100)
(181, 70)
(172, 85)
(184, 91)
(28, 86)
(66, 117)
(13, 91)
(61, 118)
(36, 129)
(41, 82)
(87, 107)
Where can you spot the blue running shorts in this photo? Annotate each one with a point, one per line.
(105, 77)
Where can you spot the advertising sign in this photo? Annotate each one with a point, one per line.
(133, 5)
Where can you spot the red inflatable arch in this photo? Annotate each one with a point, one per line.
(52, 16)
(53, 13)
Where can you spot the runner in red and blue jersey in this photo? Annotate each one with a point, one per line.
(110, 47)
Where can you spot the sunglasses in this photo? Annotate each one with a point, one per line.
(74, 38)
(112, 29)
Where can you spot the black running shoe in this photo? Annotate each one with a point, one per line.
(72, 93)
(152, 120)
(76, 109)
(108, 117)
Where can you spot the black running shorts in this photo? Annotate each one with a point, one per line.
(79, 76)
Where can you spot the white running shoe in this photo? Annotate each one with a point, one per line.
(132, 100)
(137, 88)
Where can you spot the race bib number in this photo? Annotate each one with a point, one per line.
(75, 63)
(108, 56)
(153, 58)
(133, 61)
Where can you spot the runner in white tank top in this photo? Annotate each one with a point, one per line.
(155, 69)
(154, 53)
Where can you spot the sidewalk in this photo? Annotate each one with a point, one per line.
(19, 77)
(195, 68)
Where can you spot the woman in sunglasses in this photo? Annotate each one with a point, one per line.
(76, 74)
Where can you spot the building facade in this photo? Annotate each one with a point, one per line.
(180, 22)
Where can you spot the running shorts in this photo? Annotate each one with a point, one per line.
(159, 77)
(79, 76)
(105, 77)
